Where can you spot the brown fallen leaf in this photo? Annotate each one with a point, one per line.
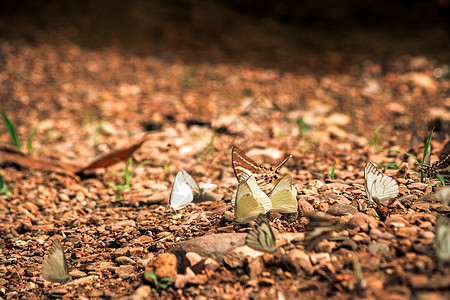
(15, 156)
(113, 157)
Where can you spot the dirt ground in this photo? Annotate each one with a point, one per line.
(333, 84)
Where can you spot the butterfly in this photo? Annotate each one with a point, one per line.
(443, 195)
(379, 187)
(284, 196)
(441, 167)
(250, 201)
(442, 238)
(263, 175)
(320, 227)
(54, 267)
(185, 190)
(261, 237)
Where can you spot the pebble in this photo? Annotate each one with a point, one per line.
(362, 222)
(163, 266)
(427, 235)
(342, 210)
(417, 185)
(125, 260)
(237, 257)
(215, 245)
(320, 258)
(125, 271)
(297, 261)
(193, 258)
(407, 232)
(255, 267)
(304, 208)
(143, 292)
(380, 248)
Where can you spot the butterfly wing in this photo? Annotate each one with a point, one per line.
(247, 208)
(284, 196)
(181, 194)
(320, 227)
(443, 195)
(259, 194)
(379, 185)
(261, 237)
(54, 267)
(442, 238)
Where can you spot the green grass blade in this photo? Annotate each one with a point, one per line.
(30, 139)
(410, 155)
(11, 130)
(427, 149)
(441, 179)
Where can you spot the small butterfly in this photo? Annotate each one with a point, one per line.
(320, 227)
(284, 196)
(378, 185)
(443, 195)
(185, 190)
(54, 267)
(442, 238)
(261, 237)
(441, 167)
(263, 175)
(250, 201)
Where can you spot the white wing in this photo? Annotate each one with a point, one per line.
(181, 194)
(443, 195)
(284, 196)
(247, 207)
(261, 237)
(190, 181)
(442, 238)
(259, 194)
(379, 185)
(54, 267)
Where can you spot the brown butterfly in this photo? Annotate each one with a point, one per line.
(441, 167)
(244, 167)
(320, 227)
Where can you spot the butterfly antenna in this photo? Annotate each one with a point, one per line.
(282, 163)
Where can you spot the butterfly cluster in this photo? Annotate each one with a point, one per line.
(250, 199)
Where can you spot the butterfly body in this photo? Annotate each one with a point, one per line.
(54, 267)
(261, 237)
(244, 166)
(441, 167)
(185, 190)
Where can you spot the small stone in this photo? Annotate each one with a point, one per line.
(380, 248)
(125, 272)
(320, 258)
(342, 210)
(304, 208)
(237, 257)
(349, 244)
(142, 293)
(417, 185)
(125, 260)
(362, 222)
(193, 258)
(163, 266)
(256, 267)
(407, 232)
(427, 235)
(297, 261)
(211, 265)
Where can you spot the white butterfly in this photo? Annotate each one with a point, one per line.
(250, 201)
(443, 195)
(284, 196)
(54, 267)
(261, 237)
(442, 238)
(378, 186)
(185, 190)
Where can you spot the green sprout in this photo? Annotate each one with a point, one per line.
(331, 172)
(30, 139)
(425, 156)
(374, 140)
(304, 129)
(11, 130)
(162, 283)
(3, 188)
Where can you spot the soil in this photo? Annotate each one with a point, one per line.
(334, 84)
